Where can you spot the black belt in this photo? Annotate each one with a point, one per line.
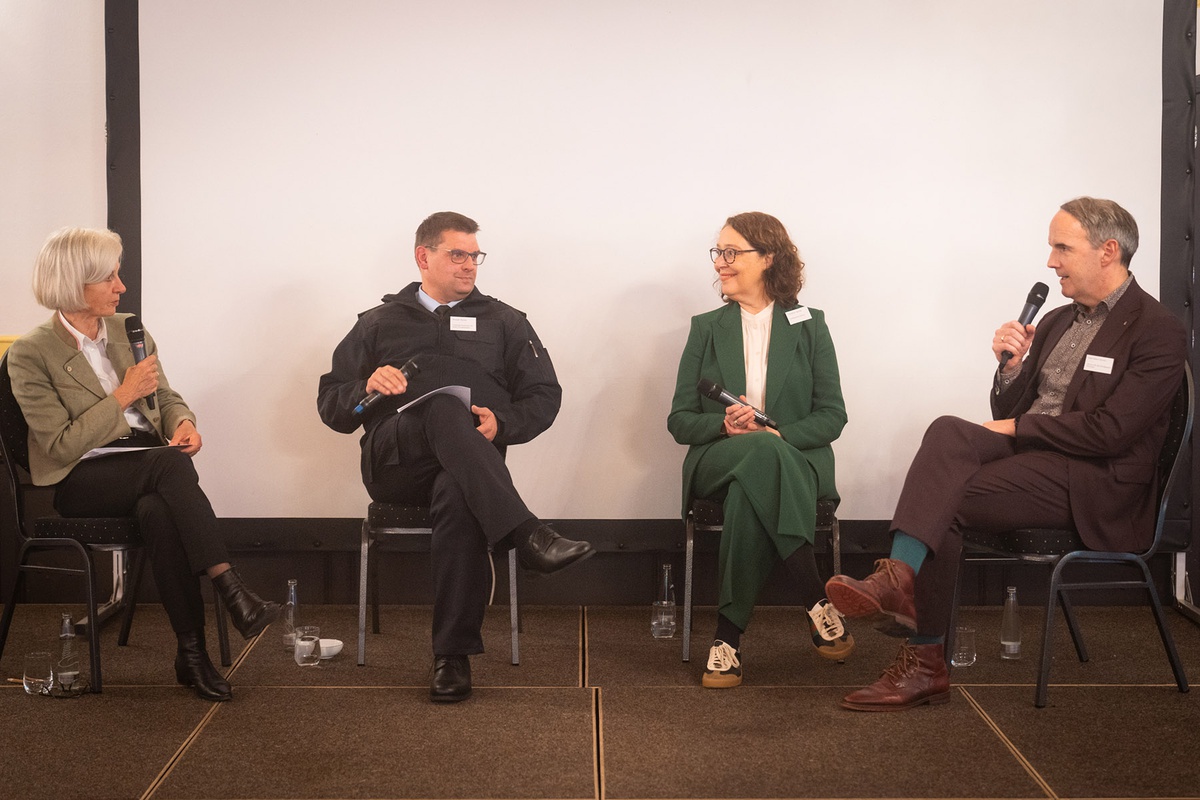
(137, 438)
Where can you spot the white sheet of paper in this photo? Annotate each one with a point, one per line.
(461, 392)
(100, 452)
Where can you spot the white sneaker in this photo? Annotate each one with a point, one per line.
(828, 631)
(724, 670)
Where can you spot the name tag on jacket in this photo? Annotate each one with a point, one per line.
(1098, 364)
(798, 314)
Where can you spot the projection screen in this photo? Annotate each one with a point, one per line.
(916, 151)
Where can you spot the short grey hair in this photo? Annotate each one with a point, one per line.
(70, 259)
(1103, 220)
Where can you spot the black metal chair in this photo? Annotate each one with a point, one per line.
(80, 535)
(708, 516)
(1060, 548)
(393, 521)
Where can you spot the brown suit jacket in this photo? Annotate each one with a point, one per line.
(65, 406)
(1113, 425)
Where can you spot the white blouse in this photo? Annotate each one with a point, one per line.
(756, 340)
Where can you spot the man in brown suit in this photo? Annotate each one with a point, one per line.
(1080, 413)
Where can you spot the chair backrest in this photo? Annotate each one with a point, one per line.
(1170, 458)
(14, 442)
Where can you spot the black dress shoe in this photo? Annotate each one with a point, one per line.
(451, 679)
(545, 551)
(249, 613)
(194, 669)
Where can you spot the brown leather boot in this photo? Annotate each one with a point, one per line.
(884, 598)
(917, 676)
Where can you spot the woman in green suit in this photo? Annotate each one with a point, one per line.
(777, 356)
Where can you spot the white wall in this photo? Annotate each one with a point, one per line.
(51, 136)
(915, 150)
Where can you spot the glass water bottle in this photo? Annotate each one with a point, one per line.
(662, 616)
(1010, 627)
(289, 617)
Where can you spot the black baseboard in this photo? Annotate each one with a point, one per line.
(322, 554)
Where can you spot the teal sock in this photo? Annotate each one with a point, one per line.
(909, 550)
(919, 639)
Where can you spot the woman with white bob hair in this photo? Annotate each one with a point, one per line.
(79, 389)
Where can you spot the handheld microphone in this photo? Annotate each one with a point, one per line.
(1033, 304)
(409, 369)
(137, 340)
(715, 392)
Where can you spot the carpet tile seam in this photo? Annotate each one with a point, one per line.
(1010, 744)
(181, 751)
(598, 744)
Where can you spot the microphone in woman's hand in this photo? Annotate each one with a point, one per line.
(714, 392)
(137, 340)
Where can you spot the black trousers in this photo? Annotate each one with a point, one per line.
(161, 488)
(432, 455)
(965, 476)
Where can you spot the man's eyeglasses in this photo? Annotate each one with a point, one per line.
(728, 255)
(461, 256)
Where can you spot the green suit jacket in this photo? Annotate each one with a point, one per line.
(803, 392)
(65, 406)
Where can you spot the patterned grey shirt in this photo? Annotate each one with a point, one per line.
(1064, 359)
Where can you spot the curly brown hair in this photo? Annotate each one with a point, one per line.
(785, 277)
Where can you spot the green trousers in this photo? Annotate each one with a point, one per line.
(770, 492)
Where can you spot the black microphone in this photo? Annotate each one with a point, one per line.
(137, 340)
(409, 369)
(1033, 304)
(714, 392)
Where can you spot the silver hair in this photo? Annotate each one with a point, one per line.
(70, 259)
(1103, 220)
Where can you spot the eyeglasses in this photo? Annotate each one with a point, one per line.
(461, 256)
(728, 255)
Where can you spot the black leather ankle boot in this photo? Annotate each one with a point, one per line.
(194, 669)
(249, 612)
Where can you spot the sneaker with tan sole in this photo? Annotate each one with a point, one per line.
(724, 670)
(828, 631)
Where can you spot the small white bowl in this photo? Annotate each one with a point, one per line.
(330, 647)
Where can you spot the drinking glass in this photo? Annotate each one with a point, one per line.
(38, 673)
(964, 647)
(308, 645)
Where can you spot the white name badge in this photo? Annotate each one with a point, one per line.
(1098, 364)
(462, 323)
(798, 314)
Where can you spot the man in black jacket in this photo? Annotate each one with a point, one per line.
(442, 452)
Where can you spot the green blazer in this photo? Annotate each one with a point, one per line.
(65, 406)
(803, 392)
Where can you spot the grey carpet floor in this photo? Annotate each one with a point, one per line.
(598, 709)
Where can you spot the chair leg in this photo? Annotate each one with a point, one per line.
(837, 547)
(689, 536)
(133, 581)
(1073, 626)
(373, 586)
(1163, 631)
(222, 630)
(364, 550)
(952, 627)
(514, 612)
(1041, 692)
(93, 627)
(11, 604)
